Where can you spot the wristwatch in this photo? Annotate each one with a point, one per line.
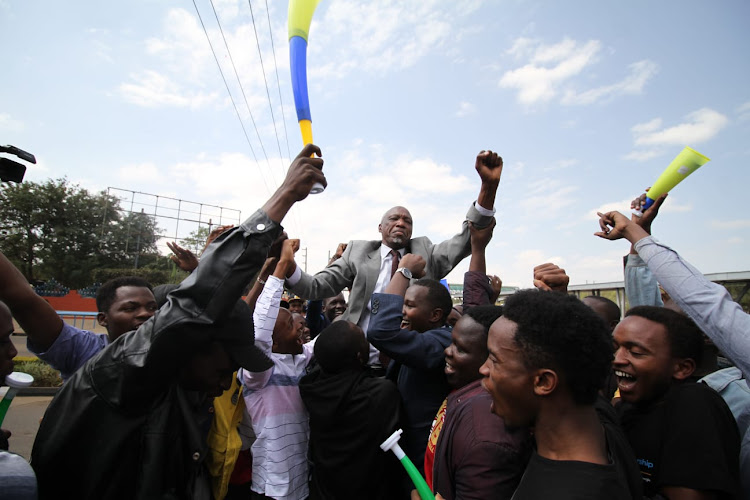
(405, 271)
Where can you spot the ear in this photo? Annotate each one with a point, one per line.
(380, 228)
(436, 315)
(682, 368)
(545, 382)
(101, 318)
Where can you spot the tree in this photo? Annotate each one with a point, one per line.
(59, 230)
(196, 240)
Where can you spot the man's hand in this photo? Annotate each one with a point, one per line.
(415, 263)
(339, 252)
(550, 277)
(304, 171)
(288, 249)
(480, 238)
(286, 262)
(489, 166)
(275, 250)
(497, 286)
(647, 217)
(184, 258)
(215, 233)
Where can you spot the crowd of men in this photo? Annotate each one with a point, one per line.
(196, 392)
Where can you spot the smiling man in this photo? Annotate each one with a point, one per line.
(684, 436)
(548, 356)
(416, 350)
(123, 303)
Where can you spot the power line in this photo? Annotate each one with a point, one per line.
(242, 124)
(270, 106)
(278, 84)
(242, 89)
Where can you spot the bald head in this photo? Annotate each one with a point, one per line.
(395, 228)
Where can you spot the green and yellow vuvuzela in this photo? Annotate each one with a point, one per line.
(687, 162)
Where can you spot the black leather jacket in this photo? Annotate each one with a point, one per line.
(121, 427)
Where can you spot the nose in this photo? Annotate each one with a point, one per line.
(485, 369)
(620, 357)
(448, 352)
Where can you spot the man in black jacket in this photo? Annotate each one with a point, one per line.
(132, 422)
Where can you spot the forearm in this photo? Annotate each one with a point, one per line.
(266, 312)
(487, 192)
(36, 317)
(478, 260)
(398, 285)
(641, 287)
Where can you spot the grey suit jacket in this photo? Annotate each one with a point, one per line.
(359, 266)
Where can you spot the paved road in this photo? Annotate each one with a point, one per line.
(23, 421)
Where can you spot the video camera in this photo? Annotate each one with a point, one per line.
(12, 171)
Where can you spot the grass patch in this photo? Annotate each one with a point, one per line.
(44, 375)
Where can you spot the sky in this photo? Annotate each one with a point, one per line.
(586, 101)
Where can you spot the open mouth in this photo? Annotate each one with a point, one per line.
(625, 381)
(449, 370)
(405, 324)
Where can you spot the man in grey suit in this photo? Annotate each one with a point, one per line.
(367, 266)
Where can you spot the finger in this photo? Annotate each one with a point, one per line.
(542, 286)
(308, 151)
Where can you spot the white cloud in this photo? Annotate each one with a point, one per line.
(651, 139)
(743, 112)
(10, 124)
(699, 126)
(379, 37)
(152, 90)
(465, 109)
(643, 155)
(548, 68)
(640, 73)
(731, 224)
(548, 196)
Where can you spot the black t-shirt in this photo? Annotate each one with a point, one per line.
(689, 438)
(573, 480)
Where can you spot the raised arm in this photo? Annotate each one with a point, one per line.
(477, 287)
(36, 317)
(489, 165)
(641, 287)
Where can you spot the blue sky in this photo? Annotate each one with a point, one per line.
(587, 102)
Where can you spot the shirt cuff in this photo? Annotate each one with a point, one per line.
(295, 277)
(484, 211)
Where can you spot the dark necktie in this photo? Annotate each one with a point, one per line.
(396, 257)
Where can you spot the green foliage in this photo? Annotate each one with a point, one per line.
(196, 240)
(44, 375)
(59, 230)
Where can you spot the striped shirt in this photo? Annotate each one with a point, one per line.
(272, 400)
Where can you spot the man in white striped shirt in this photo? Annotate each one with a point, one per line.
(272, 398)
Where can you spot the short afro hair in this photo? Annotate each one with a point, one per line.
(106, 294)
(337, 346)
(610, 307)
(560, 332)
(438, 297)
(685, 338)
(485, 315)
